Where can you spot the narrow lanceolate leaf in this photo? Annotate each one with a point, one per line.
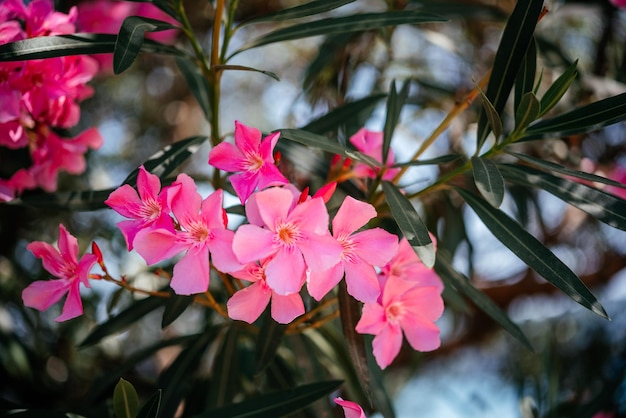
(268, 342)
(74, 201)
(229, 67)
(525, 79)
(130, 39)
(493, 118)
(345, 24)
(580, 120)
(174, 307)
(451, 277)
(603, 206)
(198, 84)
(533, 252)
(125, 400)
(75, 44)
(224, 381)
(166, 160)
(550, 166)
(514, 43)
(337, 117)
(308, 9)
(488, 180)
(431, 161)
(527, 111)
(410, 223)
(151, 408)
(395, 101)
(558, 89)
(275, 404)
(122, 320)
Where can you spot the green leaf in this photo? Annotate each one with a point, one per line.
(304, 10)
(122, 320)
(164, 5)
(603, 206)
(525, 79)
(131, 37)
(337, 117)
(174, 307)
(532, 252)
(514, 43)
(75, 44)
(432, 161)
(74, 201)
(527, 112)
(493, 117)
(225, 370)
(335, 25)
(268, 342)
(583, 119)
(451, 277)
(488, 180)
(275, 404)
(410, 223)
(197, 83)
(125, 400)
(245, 68)
(558, 89)
(166, 160)
(550, 166)
(151, 408)
(395, 101)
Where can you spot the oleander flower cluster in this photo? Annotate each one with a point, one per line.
(40, 100)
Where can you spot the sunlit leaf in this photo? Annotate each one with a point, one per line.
(151, 408)
(583, 119)
(334, 25)
(558, 89)
(395, 102)
(532, 252)
(493, 118)
(410, 223)
(514, 43)
(308, 9)
(453, 278)
(174, 307)
(276, 404)
(125, 400)
(197, 83)
(131, 37)
(525, 79)
(527, 111)
(603, 206)
(488, 180)
(337, 117)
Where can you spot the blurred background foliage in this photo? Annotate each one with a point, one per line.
(577, 368)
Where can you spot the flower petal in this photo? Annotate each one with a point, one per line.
(352, 215)
(186, 204)
(285, 272)
(247, 138)
(148, 184)
(222, 254)
(273, 204)
(68, 245)
(225, 156)
(350, 409)
(321, 252)
(191, 272)
(362, 281)
(157, 245)
(373, 319)
(422, 335)
(319, 283)
(42, 294)
(285, 308)
(386, 345)
(73, 305)
(124, 200)
(252, 243)
(249, 303)
(376, 246)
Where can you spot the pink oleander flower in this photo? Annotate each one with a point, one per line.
(148, 207)
(407, 265)
(70, 271)
(294, 236)
(407, 308)
(249, 303)
(251, 158)
(361, 252)
(350, 409)
(371, 143)
(619, 3)
(202, 233)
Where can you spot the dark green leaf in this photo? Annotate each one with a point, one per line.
(410, 223)
(166, 160)
(268, 342)
(603, 206)
(395, 101)
(558, 89)
(174, 307)
(488, 180)
(38, 413)
(463, 10)
(151, 408)
(493, 118)
(514, 43)
(337, 117)
(122, 320)
(527, 111)
(304, 10)
(275, 404)
(533, 252)
(525, 79)
(74, 201)
(334, 25)
(550, 166)
(451, 277)
(225, 371)
(432, 161)
(75, 44)
(197, 83)
(125, 400)
(244, 68)
(130, 39)
(583, 119)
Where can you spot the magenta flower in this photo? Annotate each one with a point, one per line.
(619, 3)
(293, 235)
(251, 158)
(361, 252)
(371, 143)
(404, 307)
(70, 271)
(203, 233)
(147, 207)
(249, 303)
(350, 409)
(407, 265)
